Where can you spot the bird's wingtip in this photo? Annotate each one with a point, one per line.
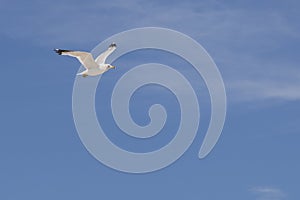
(58, 51)
(113, 45)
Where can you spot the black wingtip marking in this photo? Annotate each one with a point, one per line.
(59, 51)
(112, 45)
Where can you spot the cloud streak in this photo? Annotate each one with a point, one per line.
(264, 89)
(268, 193)
(56, 19)
(245, 43)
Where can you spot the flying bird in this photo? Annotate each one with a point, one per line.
(93, 66)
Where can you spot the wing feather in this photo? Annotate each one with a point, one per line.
(102, 57)
(85, 58)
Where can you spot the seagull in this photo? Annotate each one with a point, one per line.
(93, 67)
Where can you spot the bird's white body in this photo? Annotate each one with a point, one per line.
(93, 66)
(95, 71)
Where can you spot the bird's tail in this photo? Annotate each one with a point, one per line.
(60, 51)
(83, 74)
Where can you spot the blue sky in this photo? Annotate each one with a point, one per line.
(255, 44)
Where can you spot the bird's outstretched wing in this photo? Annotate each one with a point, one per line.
(85, 58)
(102, 57)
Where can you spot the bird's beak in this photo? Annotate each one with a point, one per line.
(113, 67)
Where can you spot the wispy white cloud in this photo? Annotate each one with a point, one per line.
(86, 20)
(268, 193)
(245, 43)
(264, 89)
